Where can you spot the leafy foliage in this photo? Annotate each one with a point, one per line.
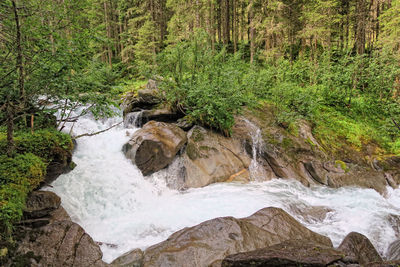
(207, 87)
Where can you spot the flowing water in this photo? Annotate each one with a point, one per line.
(118, 207)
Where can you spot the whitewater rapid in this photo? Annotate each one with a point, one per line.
(122, 210)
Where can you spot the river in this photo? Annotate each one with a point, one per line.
(108, 196)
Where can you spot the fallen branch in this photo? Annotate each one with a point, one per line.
(99, 132)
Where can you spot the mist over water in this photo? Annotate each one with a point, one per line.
(108, 196)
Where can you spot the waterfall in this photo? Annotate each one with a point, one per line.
(133, 120)
(117, 206)
(256, 169)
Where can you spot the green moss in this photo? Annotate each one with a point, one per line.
(342, 165)
(18, 176)
(24, 172)
(197, 135)
(287, 143)
(311, 143)
(49, 144)
(293, 129)
(192, 151)
(207, 148)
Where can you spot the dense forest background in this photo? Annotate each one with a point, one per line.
(334, 63)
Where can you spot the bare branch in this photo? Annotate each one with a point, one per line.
(99, 132)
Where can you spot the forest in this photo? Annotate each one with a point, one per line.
(335, 63)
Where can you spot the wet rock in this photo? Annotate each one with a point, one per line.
(184, 124)
(393, 252)
(394, 221)
(289, 253)
(162, 114)
(40, 204)
(154, 146)
(311, 214)
(210, 158)
(132, 258)
(359, 247)
(211, 241)
(295, 153)
(361, 177)
(312, 168)
(60, 244)
(384, 264)
(61, 163)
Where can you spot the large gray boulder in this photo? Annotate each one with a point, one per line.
(211, 241)
(48, 237)
(154, 146)
(210, 158)
(61, 243)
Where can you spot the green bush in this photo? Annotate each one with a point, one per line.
(208, 87)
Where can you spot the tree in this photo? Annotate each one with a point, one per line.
(48, 46)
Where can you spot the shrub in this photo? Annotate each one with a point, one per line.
(18, 176)
(206, 86)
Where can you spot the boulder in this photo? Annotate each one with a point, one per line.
(163, 114)
(359, 247)
(61, 163)
(62, 243)
(338, 174)
(210, 158)
(154, 146)
(211, 241)
(288, 253)
(385, 264)
(184, 124)
(311, 214)
(393, 252)
(132, 258)
(292, 151)
(40, 204)
(144, 99)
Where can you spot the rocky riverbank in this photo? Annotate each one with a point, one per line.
(278, 152)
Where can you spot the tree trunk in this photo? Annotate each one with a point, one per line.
(19, 60)
(226, 23)
(252, 31)
(109, 52)
(234, 26)
(10, 128)
(360, 26)
(212, 25)
(219, 21)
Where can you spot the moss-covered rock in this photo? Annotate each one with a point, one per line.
(18, 176)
